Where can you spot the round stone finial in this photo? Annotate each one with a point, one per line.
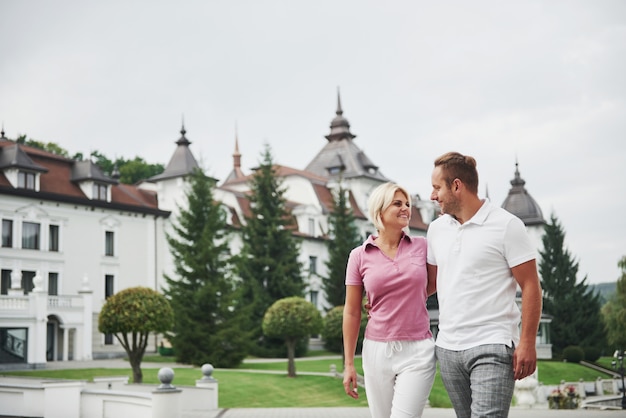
(207, 371)
(166, 376)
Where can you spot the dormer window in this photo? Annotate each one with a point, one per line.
(19, 169)
(94, 184)
(26, 180)
(99, 191)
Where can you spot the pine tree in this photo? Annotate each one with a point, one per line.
(209, 315)
(614, 312)
(268, 261)
(574, 308)
(344, 236)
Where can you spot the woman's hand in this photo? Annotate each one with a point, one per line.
(349, 382)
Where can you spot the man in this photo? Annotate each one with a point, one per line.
(480, 253)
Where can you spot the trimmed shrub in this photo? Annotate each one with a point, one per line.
(592, 353)
(573, 354)
(332, 330)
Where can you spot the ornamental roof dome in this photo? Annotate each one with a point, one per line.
(521, 204)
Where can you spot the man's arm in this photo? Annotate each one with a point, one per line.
(431, 287)
(525, 355)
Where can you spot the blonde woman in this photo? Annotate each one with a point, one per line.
(398, 349)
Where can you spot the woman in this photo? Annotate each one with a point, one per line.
(398, 349)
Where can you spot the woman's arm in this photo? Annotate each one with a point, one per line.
(351, 327)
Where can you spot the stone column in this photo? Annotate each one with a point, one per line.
(37, 341)
(166, 398)
(210, 384)
(86, 336)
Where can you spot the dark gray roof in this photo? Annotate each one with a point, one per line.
(88, 170)
(341, 154)
(13, 156)
(182, 162)
(521, 204)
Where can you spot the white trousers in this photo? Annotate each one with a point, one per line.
(398, 377)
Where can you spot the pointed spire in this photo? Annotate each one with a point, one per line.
(183, 140)
(339, 109)
(236, 154)
(236, 172)
(2, 132)
(517, 180)
(339, 126)
(116, 172)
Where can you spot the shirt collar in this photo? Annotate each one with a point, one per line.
(370, 241)
(479, 217)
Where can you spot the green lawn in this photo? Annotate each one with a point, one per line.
(240, 389)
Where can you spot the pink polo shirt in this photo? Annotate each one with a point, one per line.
(396, 289)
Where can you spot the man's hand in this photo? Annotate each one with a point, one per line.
(367, 308)
(524, 361)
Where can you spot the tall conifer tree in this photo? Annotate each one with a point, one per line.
(614, 312)
(268, 261)
(574, 308)
(344, 236)
(208, 316)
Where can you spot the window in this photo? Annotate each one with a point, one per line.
(53, 284)
(7, 233)
(14, 345)
(30, 235)
(99, 191)
(313, 294)
(108, 286)
(108, 243)
(312, 265)
(5, 282)
(53, 238)
(27, 281)
(26, 180)
(312, 227)
(108, 291)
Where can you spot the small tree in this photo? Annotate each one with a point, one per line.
(614, 312)
(131, 315)
(291, 318)
(344, 236)
(332, 333)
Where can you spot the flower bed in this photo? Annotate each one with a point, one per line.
(564, 398)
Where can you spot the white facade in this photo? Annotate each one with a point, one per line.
(79, 265)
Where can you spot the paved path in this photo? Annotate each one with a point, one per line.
(428, 413)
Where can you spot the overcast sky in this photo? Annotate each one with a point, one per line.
(540, 82)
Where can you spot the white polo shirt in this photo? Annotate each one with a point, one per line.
(475, 287)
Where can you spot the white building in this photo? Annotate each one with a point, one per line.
(72, 236)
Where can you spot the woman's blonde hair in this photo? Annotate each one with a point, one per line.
(381, 199)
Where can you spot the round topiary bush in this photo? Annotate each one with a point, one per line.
(573, 354)
(592, 353)
(332, 330)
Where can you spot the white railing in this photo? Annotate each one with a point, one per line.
(109, 396)
(14, 303)
(65, 302)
